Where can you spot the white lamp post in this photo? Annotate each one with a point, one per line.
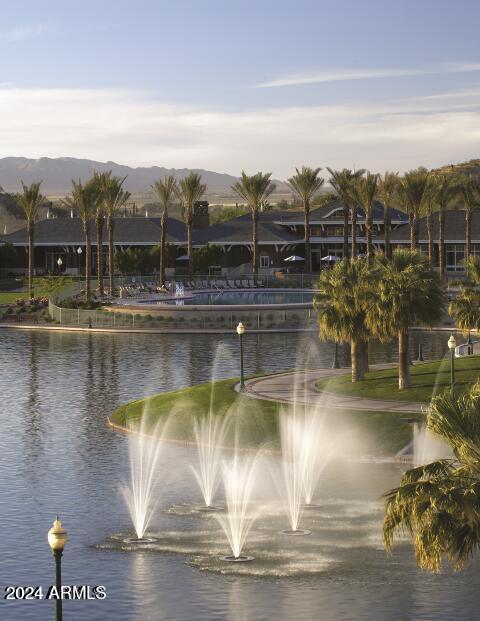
(452, 344)
(240, 332)
(57, 538)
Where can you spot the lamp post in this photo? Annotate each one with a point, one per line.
(57, 538)
(452, 343)
(59, 263)
(240, 332)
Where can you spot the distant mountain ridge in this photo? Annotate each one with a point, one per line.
(57, 174)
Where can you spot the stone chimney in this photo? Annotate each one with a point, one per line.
(201, 217)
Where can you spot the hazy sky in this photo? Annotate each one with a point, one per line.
(230, 85)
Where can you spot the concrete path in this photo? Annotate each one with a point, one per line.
(300, 386)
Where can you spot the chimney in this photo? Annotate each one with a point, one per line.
(201, 217)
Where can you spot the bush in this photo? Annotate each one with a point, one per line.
(19, 302)
(9, 311)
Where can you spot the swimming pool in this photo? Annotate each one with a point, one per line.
(241, 298)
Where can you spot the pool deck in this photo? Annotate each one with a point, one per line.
(299, 387)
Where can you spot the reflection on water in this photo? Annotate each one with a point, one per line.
(59, 456)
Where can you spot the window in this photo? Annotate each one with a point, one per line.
(455, 253)
(264, 260)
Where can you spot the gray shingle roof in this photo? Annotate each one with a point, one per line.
(239, 230)
(322, 213)
(454, 228)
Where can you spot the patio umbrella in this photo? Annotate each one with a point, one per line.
(330, 257)
(293, 258)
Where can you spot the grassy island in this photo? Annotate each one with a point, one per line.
(427, 379)
(376, 433)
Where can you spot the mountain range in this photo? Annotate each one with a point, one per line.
(57, 174)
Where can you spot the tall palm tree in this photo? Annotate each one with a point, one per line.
(343, 182)
(166, 189)
(254, 190)
(444, 190)
(364, 192)
(99, 179)
(84, 200)
(114, 197)
(386, 189)
(465, 309)
(407, 291)
(341, 308)
(190, 190)
(305, 184)
(438, 504)
(30, 200)
(413, 194)
(468, 190)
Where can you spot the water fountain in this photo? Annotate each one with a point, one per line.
(238, 477)
(316, 450)
(427, 446)
(210, 438)
(144, 447)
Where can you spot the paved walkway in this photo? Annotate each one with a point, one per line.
(300, 386)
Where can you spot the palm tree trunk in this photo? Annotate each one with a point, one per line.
(308, 250)
(431, 257)
(356, 356)
(30, 258)
(368, 231)
(88, 262)
(190, 247)
(254, 241)
(99, 225)
(441, 243)
(413, 233)
(345, 232)
(163, 226)
(354, 232)
(111, 265)
(403, 361)
(364, 353)
(387, 226)
(468, 233)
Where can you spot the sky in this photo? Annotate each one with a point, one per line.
(242, 85)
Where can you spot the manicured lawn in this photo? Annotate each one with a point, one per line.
(7, 297)
(375, 433)
(427, 379)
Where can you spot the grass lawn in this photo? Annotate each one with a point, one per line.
(8, 297)
(427, 379)
(375, 433)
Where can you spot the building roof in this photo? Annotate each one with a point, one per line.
(454, 228)
(326, 212)
(239, 230)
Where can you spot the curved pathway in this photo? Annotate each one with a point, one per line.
(299, 386)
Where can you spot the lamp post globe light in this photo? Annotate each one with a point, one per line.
(452, 343)
(57, 538)
(240, 332)
(59, 262)
(79, 250)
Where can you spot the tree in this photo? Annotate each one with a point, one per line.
(443, 190)
(341, 308)
(413, 194)
(343, 182)
(306, 184)
(468, 190)
(99, 179)
(84, 200)
(114, 197)
(407, 291)
(30, 200)
(364, 191)
(166, 190)
(386, 190)
(438, 504)
(465, 309)
(190, 190)
(254, 190)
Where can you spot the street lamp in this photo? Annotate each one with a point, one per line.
(79, 250)
(57, 538)
(240, 332)
(452, 343)
(59, 262)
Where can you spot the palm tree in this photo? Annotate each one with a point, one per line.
(386, 189)
(343, 182)
(444, 191)
(465, 309)
(166, 190)
(438, 504)
(305, 184)
(413, 193)
(99, 179)
(407, 291)
(114, 197)
(190, 190)
(364, 192)
(30, 200)
(84, 200)
(254, 190)
(468, 189)
(341, 308)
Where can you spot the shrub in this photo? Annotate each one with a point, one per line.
(19, 302)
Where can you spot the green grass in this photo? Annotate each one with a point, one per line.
(427, 379)
(375, 433)
(8, 297)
